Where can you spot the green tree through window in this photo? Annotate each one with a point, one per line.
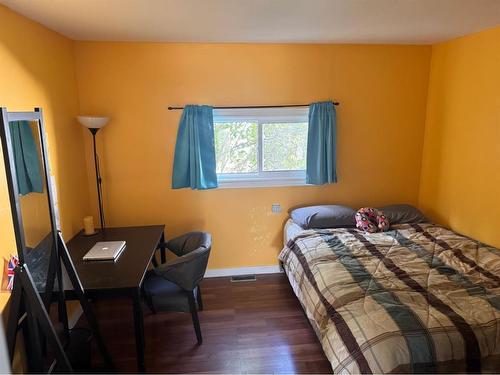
(261, 147)
(236, 147)
(284, 146)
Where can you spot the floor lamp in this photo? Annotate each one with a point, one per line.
(94, 123)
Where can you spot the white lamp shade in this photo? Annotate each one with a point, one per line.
(93, 122)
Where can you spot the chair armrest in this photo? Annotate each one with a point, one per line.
(188, 242)
(186, 271)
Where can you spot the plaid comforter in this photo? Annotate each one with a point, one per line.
(419, 298)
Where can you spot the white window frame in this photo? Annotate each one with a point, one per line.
(262, 178)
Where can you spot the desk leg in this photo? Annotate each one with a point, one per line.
(162, 248)
(139, 330)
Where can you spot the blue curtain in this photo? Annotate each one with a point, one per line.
(26, 159)
(194, 160)
(321, 142)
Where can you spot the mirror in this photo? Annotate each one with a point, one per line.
(36, 224)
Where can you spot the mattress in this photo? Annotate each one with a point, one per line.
(290, 231)
(418, 298)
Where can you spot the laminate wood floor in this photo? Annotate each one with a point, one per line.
(248, 327)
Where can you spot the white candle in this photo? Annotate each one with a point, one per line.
(88, 225)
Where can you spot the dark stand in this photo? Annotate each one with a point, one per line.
(98, 177)
(28, 311)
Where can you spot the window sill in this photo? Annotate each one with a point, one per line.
(261, 182)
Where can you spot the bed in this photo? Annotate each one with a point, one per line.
(418, 298)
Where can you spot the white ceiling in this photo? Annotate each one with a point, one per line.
(290, 21)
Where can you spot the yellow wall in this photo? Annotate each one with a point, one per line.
(37, 70)
(461, 161)
(382, 91)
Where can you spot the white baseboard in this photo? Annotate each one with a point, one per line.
(220, 272)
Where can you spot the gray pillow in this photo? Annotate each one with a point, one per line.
(324, 216)
(403, 214)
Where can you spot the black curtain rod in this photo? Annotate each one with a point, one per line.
(257, 106)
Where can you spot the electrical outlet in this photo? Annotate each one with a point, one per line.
(276, 208)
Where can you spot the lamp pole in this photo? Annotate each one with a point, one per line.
(98, 177)
(94, 123)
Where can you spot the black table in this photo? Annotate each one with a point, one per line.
(123, 278)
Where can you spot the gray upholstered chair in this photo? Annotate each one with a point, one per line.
(174, 286)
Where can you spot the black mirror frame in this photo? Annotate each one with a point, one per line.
(17, 219)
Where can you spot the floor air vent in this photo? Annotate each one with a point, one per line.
(242, 278)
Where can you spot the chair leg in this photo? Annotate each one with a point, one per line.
(200, 301)
(149, 302)
(194, 315)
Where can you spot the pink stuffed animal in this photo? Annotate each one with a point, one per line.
(371, 220)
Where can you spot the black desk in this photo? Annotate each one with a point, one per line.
(123, 278)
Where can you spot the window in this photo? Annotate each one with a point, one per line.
(261, 147)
